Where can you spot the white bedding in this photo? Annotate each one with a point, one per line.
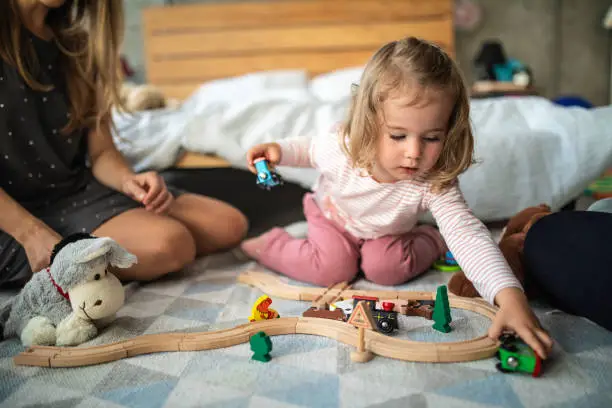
(529, 149)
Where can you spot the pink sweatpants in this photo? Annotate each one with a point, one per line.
(330, 254)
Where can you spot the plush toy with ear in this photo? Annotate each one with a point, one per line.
(510, 244)
(65, 303)
(145, 97)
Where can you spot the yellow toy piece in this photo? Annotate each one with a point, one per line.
(261, 310)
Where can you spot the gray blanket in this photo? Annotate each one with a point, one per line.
(305, 370)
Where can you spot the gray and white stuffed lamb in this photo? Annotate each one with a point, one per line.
(63, 304)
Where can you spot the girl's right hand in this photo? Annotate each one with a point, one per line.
(515, 315)
(270, 151)
(38, 246)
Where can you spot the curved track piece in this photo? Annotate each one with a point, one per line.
(478, 348)
(45, 356)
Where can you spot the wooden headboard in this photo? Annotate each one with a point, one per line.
(186, 45)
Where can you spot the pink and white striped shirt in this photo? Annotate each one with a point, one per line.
(368, 209)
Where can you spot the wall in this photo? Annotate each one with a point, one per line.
(563, 41)
(133, 35)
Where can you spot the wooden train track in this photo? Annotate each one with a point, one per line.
(478, 348)
(274, 286)
(329, 296)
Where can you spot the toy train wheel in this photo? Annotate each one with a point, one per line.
(507, 342)
(385, 326)
(509, 347)
(277, 179)
(512, 362)
(501, 369)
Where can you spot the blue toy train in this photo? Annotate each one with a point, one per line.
(266, 178)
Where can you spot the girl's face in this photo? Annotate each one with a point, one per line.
(411, 135)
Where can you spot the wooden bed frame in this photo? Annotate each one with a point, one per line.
(186, 45)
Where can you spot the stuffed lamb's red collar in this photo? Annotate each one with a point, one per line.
(59, 289)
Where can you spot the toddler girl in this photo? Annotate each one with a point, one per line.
(406, 139)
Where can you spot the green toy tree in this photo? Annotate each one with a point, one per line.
(261, 346)
(441, 313)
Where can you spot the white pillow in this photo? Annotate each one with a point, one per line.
(336, 85)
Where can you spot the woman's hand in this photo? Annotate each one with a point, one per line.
(38, 246)
(515, 315)
(270, 151)
(149, 189)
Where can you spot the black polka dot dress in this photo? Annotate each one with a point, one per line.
(43, 169)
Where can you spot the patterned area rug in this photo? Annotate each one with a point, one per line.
(305, 370)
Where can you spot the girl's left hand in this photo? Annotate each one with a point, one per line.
(149, 189)
(515, 315)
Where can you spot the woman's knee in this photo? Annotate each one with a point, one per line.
(237, 228)
(170, 248)
(215, 225)
(161, 244)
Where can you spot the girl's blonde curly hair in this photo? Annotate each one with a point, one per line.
(399, 65)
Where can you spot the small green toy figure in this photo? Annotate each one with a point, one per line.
(441, 313)
(261, 346)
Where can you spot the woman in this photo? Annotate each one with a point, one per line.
(566, 255)
(59, 170)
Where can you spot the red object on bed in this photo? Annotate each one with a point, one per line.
(126, 68)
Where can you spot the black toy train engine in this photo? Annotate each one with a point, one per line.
(385, 318)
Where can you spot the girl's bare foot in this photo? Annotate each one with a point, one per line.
(254, 246)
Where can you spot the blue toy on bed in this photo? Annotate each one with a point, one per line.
(265, 177)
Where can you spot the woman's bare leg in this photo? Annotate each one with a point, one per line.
(196, 225)
(162, 244)
(214, 225)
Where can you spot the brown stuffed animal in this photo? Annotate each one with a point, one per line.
(144, 97)
(510, 244)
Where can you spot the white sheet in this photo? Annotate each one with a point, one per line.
(529, 149)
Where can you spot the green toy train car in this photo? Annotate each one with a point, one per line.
(516, 356)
